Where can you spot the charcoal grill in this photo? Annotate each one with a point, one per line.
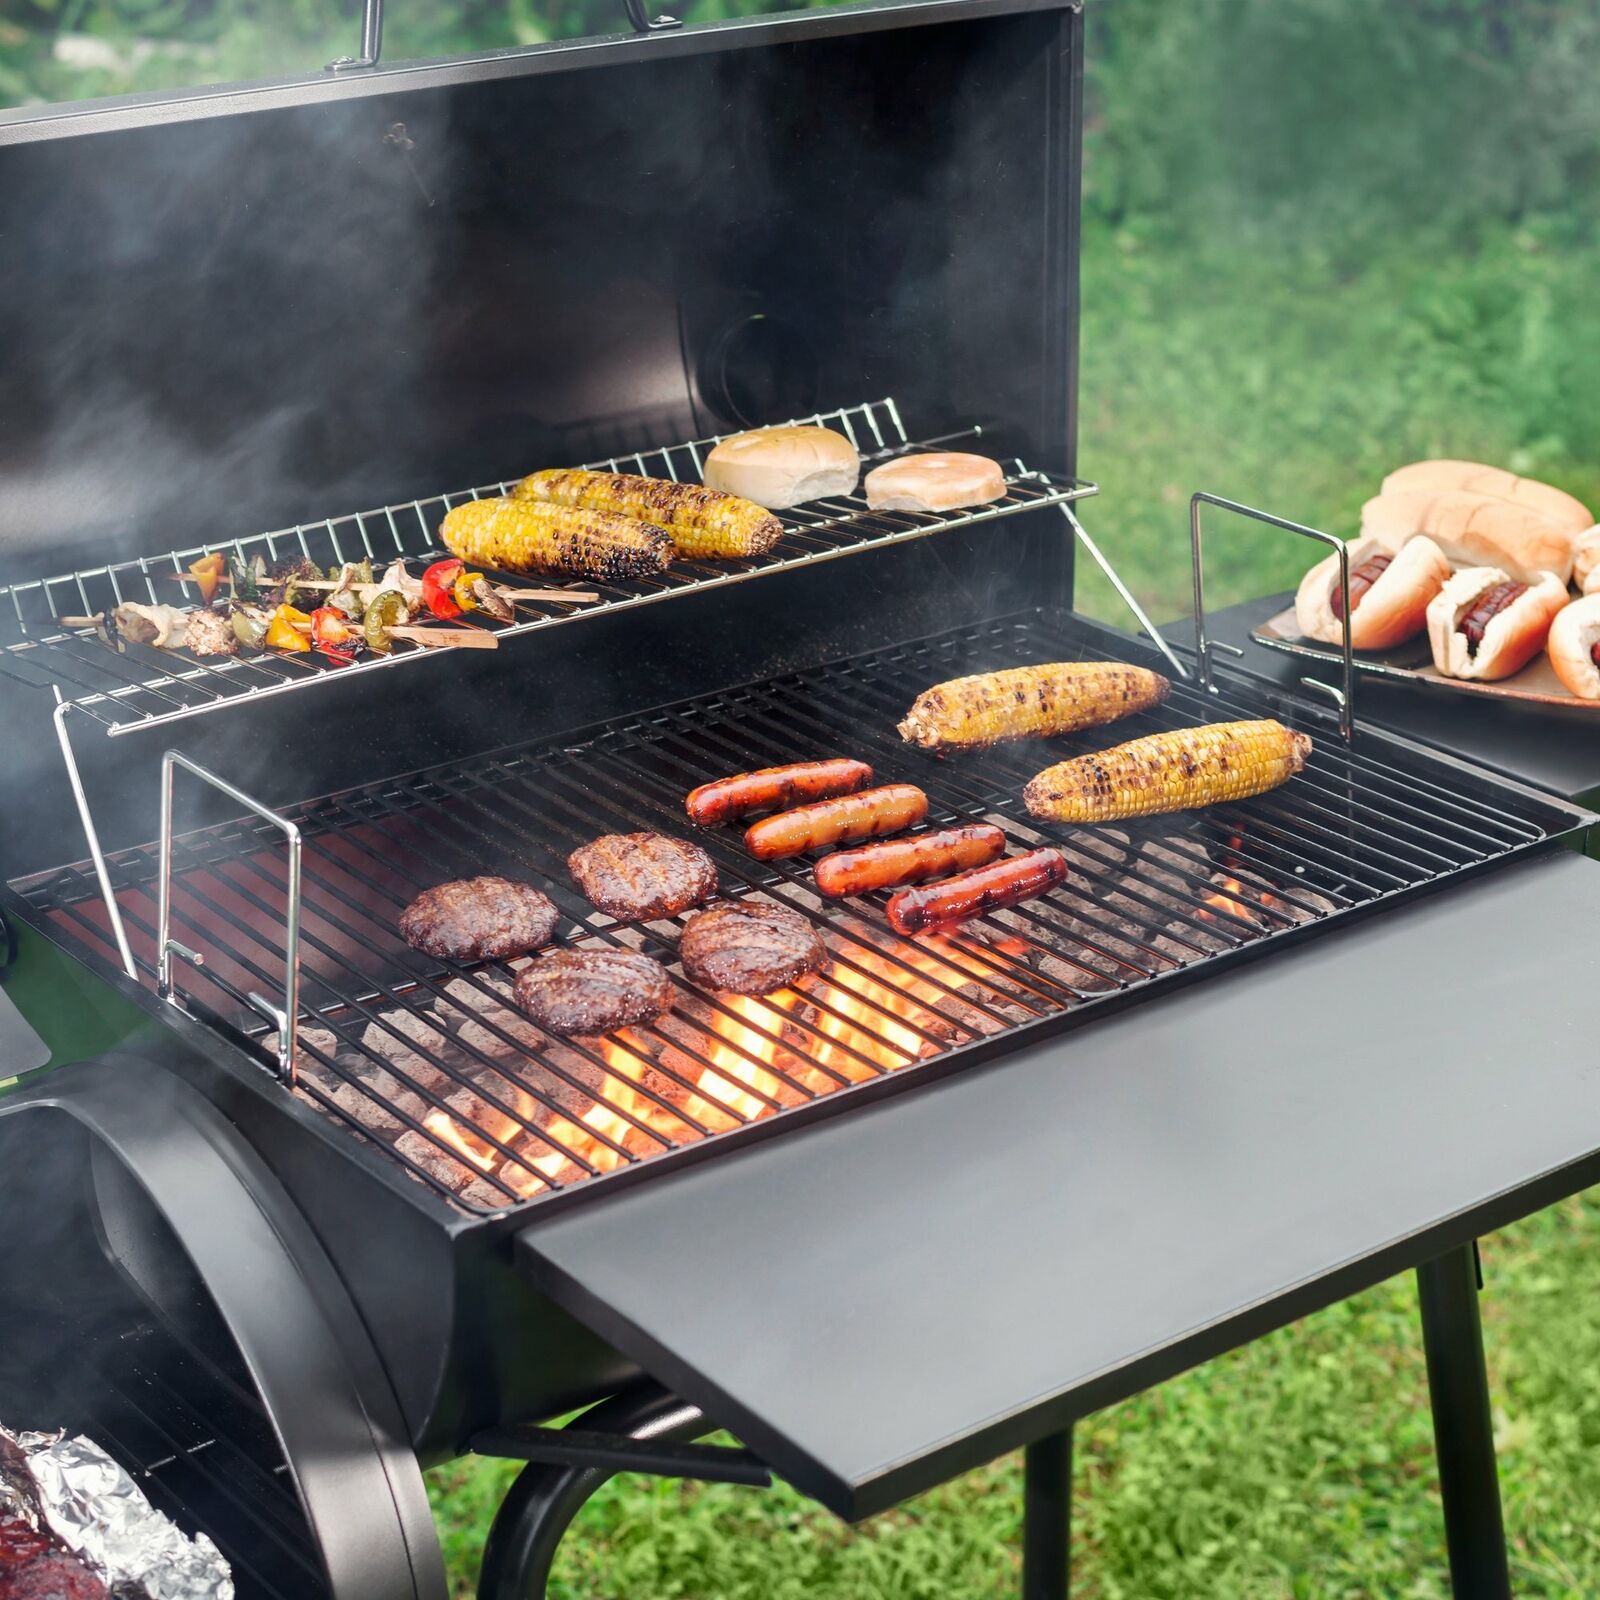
(333, 1209)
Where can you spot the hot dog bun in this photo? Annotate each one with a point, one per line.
(1473, 530)
(783, 467)
(1393, 610)
(1573, 636)
(1586, 561)
(1556, 505)
(935, 482)
(1512, 638)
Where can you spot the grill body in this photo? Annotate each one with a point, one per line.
(264, 308)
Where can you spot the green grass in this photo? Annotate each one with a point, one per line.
(1301, 1466)
(1295, 382)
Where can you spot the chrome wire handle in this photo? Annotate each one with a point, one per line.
(1344, 698)
(167, 947)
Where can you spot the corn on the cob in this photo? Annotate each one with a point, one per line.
(1172, 771)
(702, 522)
(527, 536)
(1029, 703)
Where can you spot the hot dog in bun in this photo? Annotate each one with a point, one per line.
(1586, 561)
(1474, 530)
(1554, 504)
(1484, 624)
(1389, 594)
(1574, 646)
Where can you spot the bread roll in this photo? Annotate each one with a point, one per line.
(1392, 609)
(1473, 530)
(783, 467)
(1586, 560)
(935, 482)
(1574, 637)
(1435, 477)
(1510, 639)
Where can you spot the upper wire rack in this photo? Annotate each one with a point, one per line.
(139, 686)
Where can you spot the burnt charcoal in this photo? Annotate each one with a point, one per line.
(479, 919)
(485, 1027)
(640, 876)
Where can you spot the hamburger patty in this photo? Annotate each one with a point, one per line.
(479, 919)
(643, 875)
(593, 991)
(749, 947)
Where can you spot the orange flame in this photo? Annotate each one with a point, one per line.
(876, 1012)
(1230, 897)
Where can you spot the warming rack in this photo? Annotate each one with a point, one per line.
(427, 1060)
(134, 687)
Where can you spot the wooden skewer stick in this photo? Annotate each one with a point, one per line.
(464, 638)
(367, 590)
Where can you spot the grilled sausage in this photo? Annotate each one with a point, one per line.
(727, 799)
(971, 894)
(868, 815)
(909, 860)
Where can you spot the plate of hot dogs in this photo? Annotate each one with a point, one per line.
(1466, 578)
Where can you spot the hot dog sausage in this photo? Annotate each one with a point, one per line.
(909, 860)
(868, 815)
(1001, 883)
(773, 787)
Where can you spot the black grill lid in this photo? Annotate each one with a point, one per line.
(882, 1300)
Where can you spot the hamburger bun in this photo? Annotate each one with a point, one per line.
(1571, 645)
(1512, 637)
(1586, 561)
(1473, 530)
(782, 467)
(935, 482)
(1437, 476)
(1393, 609)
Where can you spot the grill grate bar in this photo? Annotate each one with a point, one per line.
(494, 1113)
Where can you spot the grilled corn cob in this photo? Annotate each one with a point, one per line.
(702, 522)
(1172, 771)
(528, 536)
(1029, 703)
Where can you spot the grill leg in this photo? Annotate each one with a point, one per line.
(1047, 1517)
(541, 1504)
(1463, 1434)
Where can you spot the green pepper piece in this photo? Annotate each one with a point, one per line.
(387, 609)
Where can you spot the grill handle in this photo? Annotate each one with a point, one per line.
(167, 947)
(371, 40)
(1345, 698)
(639, 19)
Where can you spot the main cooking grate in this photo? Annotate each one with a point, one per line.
(138, 686)
(429, 1062)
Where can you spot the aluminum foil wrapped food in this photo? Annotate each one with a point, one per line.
(76, 1525)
